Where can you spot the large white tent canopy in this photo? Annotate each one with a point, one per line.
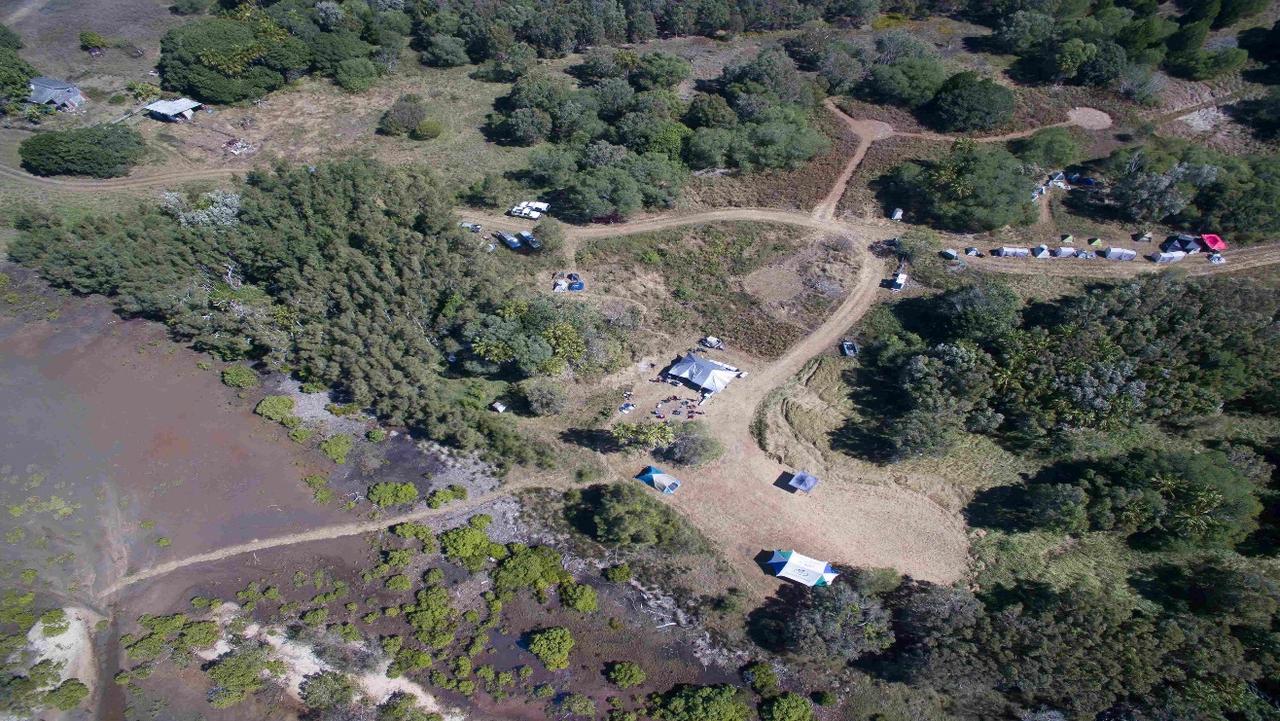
(711, 376)
(801, 568)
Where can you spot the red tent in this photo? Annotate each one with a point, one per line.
(1213, 242)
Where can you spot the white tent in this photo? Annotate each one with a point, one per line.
(801, 569)
(711, 376)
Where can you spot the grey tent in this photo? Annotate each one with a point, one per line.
(58, 93)
(803, 482)
(1012, 252)
(1119, 254)
(707, 375)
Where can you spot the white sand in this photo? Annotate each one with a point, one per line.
(73, 648)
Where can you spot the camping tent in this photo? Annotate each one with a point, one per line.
(659, 479)
(799, 567)
(803, 482)
(173, 110)
(708, 375)
(1213, 242)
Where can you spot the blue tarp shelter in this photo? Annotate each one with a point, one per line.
(659, 479)
(803, 482)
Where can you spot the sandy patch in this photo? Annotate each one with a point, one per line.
(72, 648)
(300, 661)
(1089, 118)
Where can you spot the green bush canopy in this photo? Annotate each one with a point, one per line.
(102, 151)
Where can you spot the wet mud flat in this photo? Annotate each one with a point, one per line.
(121, 424)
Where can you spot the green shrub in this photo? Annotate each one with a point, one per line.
(391, 493)
(316, 617)
(404, 116)
(427, 130)
(469, 545)
(700, 703)
(327, 689)
(301, 435)
(356, 74)
(825, 698)
(275, 408)
(67, 695)
(625, 674)
(786, 707)
(101, 151)
(580, 597)
(54, 622)
(552, 647)
(239, 376)
(620, 573)
(693, 445)
(337, 448)
(763, 678)
(576, 704)
(443, 496)
(319, 485)
(375, 435)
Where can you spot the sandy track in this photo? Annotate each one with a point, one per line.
(323, 533)
(868, 131)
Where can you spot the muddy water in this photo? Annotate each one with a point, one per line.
(137, 444)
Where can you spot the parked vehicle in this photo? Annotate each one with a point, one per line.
(509, 240)
(848, 347)
(528, 239)
(473, 227)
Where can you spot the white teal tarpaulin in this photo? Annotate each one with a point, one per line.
(802, 569)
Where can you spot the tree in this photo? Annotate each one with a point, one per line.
(405, 114)
(404, 707)
(693, 445)
(967, 101)
(101, 151)
(659, 70)
(1025, 31)
(552, 647)
(910, 82)
(189, 7)
(9, 39)
(710, 111)
(625, 674)
(240, 673)
(391, 493)
(644, 435)
(1048, 149)
(527, 126)
(327, 689)
(786, 707)
(218, 60)
(842, 621)
(545, 396)
(700, 703)
(981, 312)
(601, 193)
(972, 188)
(445, 51)
(67, 695)
(627, 515)
(14, 76)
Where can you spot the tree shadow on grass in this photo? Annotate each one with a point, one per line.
(595, 439)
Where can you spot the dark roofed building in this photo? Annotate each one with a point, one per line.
(58, 93)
